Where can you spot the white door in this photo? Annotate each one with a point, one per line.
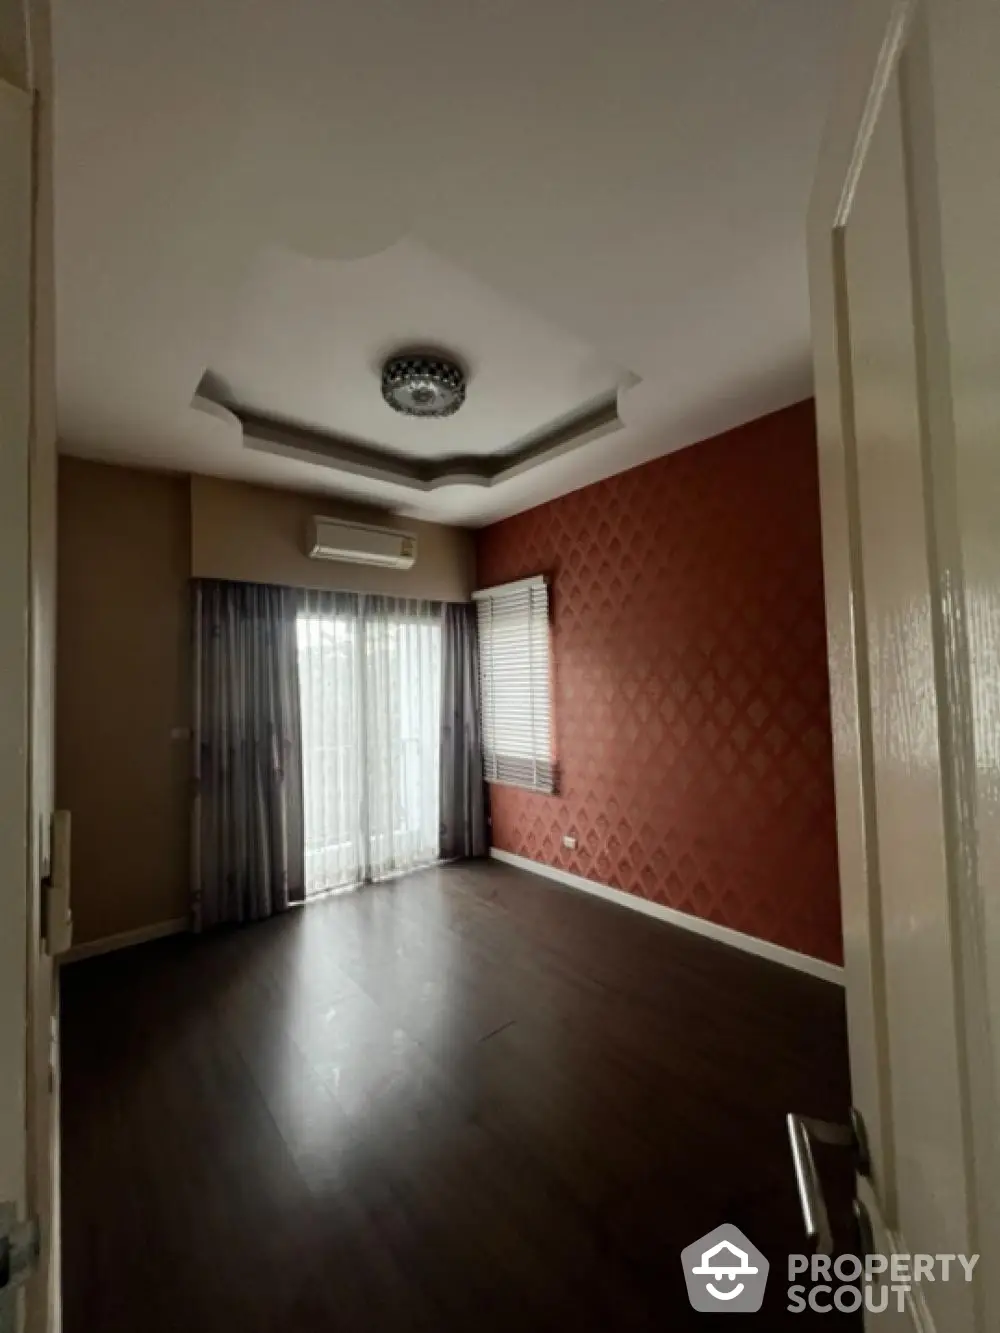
(28, 1069)
(904, 242)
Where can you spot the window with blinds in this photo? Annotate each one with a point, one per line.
(515, 684)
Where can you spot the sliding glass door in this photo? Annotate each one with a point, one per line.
(370, 681)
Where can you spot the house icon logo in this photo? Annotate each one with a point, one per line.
(725, 1273)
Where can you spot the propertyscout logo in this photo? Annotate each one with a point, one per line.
(726, 1274)
(878, 1282)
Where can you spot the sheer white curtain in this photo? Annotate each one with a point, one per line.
(370, 674)
(329, 636)
(402, 722)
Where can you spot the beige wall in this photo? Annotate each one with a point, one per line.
(123, 685)
(257, 535)
(129, 542)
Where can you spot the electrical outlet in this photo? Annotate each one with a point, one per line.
(569, 842)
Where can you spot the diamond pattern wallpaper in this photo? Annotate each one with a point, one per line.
(690, 688)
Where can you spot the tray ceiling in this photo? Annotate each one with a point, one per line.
(588, 204)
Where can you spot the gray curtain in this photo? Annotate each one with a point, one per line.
(248, 818)
(463, 791)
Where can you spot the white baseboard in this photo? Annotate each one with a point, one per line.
(94, 948)
(775, 953)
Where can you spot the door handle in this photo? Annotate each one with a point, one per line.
(802, 1131)
(866, 1233)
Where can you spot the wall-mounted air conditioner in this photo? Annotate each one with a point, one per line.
(359, 544)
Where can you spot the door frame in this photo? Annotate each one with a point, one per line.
(15, 363)
(27, 654)
(878, 33)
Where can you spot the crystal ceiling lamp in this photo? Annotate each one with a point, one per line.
(423, 386)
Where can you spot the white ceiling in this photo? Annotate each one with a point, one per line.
(311, 336)
(566, 193)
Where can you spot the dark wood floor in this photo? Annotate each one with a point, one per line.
(463, 1100)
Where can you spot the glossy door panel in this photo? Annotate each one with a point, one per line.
(901, 268)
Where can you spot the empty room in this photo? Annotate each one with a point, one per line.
(498, 672)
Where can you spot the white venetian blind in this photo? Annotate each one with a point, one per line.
(515, 679)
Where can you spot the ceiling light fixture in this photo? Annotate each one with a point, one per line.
(423, 386)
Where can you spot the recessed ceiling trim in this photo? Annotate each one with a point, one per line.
(290, 440)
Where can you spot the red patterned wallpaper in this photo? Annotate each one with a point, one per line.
(690, 684)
